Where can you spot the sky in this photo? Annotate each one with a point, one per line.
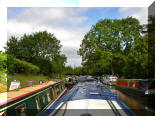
(68, 24)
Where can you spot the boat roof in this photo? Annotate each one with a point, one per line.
(87, 95)
(9, 96)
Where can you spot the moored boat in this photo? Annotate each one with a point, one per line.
(108, 79)
(140, 88)
(88, 98)
(30, 101)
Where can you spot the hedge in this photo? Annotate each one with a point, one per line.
(25, 67)
(9, 64)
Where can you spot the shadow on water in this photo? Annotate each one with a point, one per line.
(140, 107)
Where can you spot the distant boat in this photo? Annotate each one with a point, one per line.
(109, 79)
(88, 98)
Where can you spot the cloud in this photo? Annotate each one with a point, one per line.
(73, 58)
(55, 16)
(62, 22)
(141, 13)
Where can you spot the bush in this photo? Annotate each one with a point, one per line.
(44, 65)
(10, 65)
(25, 67)
(3, 65)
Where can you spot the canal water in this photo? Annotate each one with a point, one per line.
(137, 105)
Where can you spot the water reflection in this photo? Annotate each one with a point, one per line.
(139, 106)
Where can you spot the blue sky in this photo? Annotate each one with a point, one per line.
(68, 24)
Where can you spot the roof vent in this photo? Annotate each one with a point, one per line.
(94, 93)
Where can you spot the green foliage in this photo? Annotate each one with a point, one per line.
(41, 49)
(3, 60)
(44, 64)
(25, 67)
(58, 64)
(151, 46)
(115, 47)
(10, 65)
(69, 70)
(74, 71)
(41, 44)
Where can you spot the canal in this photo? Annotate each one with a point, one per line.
(139, 106)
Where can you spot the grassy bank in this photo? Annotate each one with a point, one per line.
(24, 78)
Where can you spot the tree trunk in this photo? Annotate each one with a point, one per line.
(112, 69)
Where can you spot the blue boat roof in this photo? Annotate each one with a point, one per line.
(89, 90)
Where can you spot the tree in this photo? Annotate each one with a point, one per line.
(42, 44)
(151, 44)
(39, 48)
(58, 64)
(111, 46)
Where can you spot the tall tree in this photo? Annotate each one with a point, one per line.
(42, 44)
(39, 48)
(110, 45)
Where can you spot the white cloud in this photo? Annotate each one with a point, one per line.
(60, 21)
(141, 13)
(15, 28)
(55, 16)
(71, 53)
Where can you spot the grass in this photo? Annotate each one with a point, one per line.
(3, 87)
(24, 78)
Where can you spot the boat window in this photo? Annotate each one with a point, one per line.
(62, 87)
(143, 85)
(48, 96)
(43, 98)
(152, 86)
(38, 103)
(4, 114)
(21, 110)
(57, 91)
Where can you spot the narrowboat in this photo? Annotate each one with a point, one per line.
(30, 101)
(140, 88)
(88, 98)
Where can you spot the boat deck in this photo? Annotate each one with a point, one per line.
(15, 94)
(91, 98)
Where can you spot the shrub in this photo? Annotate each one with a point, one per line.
(10, 65)
(11, 61)
(25, 67)
(3, 65)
